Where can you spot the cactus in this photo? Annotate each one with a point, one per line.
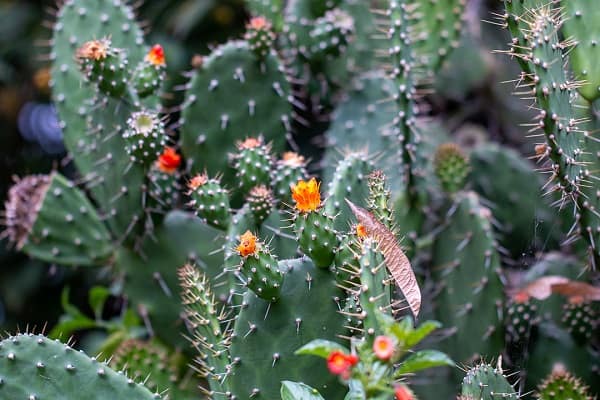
(211, 116)
(484, 382)
(562, 385)
(466, 264)
(35, 367)
(580, 319)
(580, 25)
(151, 364)
(451, 167)
(41, 209)
(252, 163)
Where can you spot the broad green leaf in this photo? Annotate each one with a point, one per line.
(422, 360)
(298, 391)
(320, 348)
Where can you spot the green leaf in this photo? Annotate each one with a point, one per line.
(320, 348)
(422, 332)
(68, 324)
(298, 391)
(97, 297)
(422, 360)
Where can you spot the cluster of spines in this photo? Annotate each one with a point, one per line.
(210, 333)
(561, 385)
(451, 167)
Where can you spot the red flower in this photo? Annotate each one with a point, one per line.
(169, 160)
(156, 56)
(340, 363)
(403, 393)
(383, 347)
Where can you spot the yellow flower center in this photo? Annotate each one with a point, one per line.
(307, 195)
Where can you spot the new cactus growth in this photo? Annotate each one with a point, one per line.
(451, 167)
(210, 200)
(252, 164)
(144, 137)
(150, 73)
(485, 382)
(105, 65)
(561, 385)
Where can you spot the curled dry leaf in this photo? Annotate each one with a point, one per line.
(541, 288)
(574, 289)
(395, 259)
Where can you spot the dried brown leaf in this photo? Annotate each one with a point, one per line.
(395, 259)
(574, 289)
(541, 288)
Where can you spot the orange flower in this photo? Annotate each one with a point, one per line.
(307, 195)
(94, 50)
(403, 393)
(247, 244)
(197, 181)
(340, 363)
(250, 143)
(521, 297)
(156, 56)
(383, 347)
(169, 160)
(258, 23)
(291, 159)
(361, 231)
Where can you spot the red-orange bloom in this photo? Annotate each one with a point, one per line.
(383, 347)
(247, 244)
(403, 393)
(361, 231)
(156, 56)
(340, 363)
(169, 161)
(307, 195)
(521, 297)
(197, 181)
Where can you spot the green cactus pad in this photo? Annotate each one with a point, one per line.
(210, 200)
(331, 34)
(261, 202)
(270, 9)
(317, 237)
(212, 116)
(466, 265)
(437, 27)
(561, 385)
(484, 382)
(91, 125)
(260, 269)
(581, 25)
(35, 367)
(267, 334)
(581, 320)
(144, 137)
(252, 163)
(521, 318)
(105, 66)
(349, 181)
(50, 219)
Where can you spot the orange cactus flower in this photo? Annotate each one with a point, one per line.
(94, 50)
(291, 159)
(307, 195)
(340, 363)
(247, 244)
(383, 347)
(258, 23)
(403, 393)
(169, 161)
(156, 56)
(197, 181)
(361, 231)
(521, 297)
(250, 143)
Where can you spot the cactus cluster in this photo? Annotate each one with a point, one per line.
(275, 274)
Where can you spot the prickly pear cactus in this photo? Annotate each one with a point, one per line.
(484, 382)
(213, 120)
(266, 335)
(561, 385)
(35, 367)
